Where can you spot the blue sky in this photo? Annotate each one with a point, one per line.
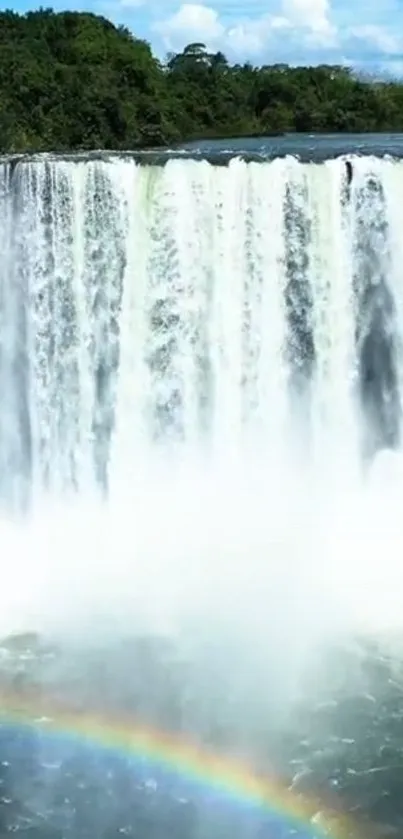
(365, 34)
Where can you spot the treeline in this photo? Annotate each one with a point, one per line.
(75, 81)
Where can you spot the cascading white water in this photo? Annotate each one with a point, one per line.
(217, 351)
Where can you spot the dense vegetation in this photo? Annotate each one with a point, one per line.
(75, 81)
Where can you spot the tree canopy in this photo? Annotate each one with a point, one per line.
(73, 80)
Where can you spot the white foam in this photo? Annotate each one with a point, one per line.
(251, 528)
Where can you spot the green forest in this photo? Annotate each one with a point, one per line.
(71, 81)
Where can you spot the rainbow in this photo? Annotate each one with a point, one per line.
(176, 754)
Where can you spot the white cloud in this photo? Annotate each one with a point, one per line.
(311, 13)
(378, 37)
(293, 31)
(249, 36)
(246, 38)
(192, 22)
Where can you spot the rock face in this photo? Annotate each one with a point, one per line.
(341, 742)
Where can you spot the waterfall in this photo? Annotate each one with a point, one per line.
(201, 355)
(237, 311)
(201, 379)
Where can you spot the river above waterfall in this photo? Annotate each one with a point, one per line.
(307, 147)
